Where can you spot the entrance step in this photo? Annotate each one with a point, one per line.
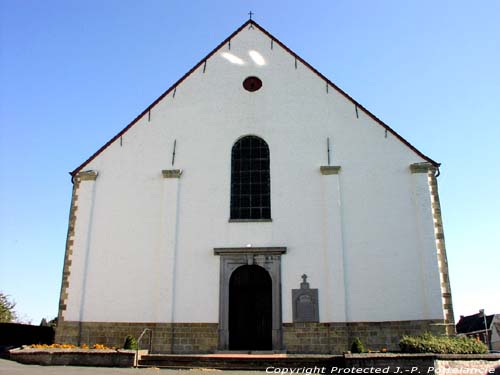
(238, 361)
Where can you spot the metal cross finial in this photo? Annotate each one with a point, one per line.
(250, 14)
(304, 278)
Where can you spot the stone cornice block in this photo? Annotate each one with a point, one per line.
(249, 250)
(422, 167)
(171, 173)
(88, 175)
(329, 169)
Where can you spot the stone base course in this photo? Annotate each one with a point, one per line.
(191, 338)
(166, 337)
(315, 337)
(338, 337)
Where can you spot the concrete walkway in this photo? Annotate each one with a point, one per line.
(13, 368)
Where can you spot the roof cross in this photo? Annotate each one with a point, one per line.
(304, 278)
(250, 14)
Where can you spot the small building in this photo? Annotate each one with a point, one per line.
(486, 328)
(255, 206)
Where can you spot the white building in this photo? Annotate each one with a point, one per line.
(200, 217)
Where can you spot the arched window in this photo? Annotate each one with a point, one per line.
(250, 180)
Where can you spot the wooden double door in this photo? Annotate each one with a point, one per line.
(250, 309)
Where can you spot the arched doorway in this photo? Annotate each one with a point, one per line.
(250, 309)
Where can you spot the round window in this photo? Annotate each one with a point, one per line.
(252, 84)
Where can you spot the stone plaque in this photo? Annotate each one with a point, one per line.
(305, 303)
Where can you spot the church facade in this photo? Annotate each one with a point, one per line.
(255, 206)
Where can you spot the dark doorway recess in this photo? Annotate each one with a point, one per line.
(250, 309)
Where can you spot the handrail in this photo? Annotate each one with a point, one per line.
(139, 342)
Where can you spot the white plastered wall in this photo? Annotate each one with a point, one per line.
(383, 211)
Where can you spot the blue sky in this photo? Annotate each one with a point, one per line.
(74, 73)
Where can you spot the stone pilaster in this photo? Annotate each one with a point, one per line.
(167, 256)
(443, 260)
(335, 306)
(70, 239)
(430, 170)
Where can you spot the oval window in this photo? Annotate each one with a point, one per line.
(252, 84)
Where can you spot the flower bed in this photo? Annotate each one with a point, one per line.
(70, 346)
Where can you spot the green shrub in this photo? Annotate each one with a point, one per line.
(130, 343)
(427, 343)
(357, 346)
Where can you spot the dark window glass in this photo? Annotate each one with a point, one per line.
(250, 179)
(252, 84)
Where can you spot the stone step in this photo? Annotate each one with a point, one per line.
(238, 361)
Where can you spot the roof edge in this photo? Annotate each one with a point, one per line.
(371, 115)
(170, 89)
(209, 55)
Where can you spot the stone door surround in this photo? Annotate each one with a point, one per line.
(231, 258)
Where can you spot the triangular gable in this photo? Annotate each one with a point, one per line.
(275, 40)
